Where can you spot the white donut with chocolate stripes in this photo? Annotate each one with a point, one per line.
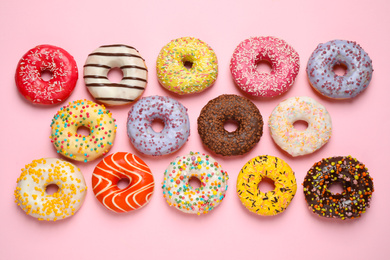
(129, 61)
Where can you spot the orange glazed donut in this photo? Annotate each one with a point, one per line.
(116, 167)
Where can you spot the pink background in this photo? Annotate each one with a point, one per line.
(360, 128)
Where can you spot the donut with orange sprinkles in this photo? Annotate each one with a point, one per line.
(54, 60)
(355, 180)
(77, 146)
(31, 191)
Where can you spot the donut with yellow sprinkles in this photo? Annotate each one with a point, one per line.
(31, 194)
(187, 65)
(356, 182)
(272, 202)
(80, 147)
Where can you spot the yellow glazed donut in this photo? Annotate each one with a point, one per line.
(31, 194)
(83, 113)
(176, 77)
(272, 202)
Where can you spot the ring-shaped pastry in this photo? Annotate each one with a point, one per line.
(282, 57)
(180, 194)
(80, 147)
(129, 61)
(272, 202)
(173, 72)
(222, 109)
(31, 194)
(54, 60)
(176, 125)
(116, 167)
(358, 65)
(300, 142)
(353, 176)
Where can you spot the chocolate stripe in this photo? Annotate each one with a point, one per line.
(115, 55)
(94, 77)
(97, 65)
(133, 67)
(135, 78)
(118, 45)
(113, 85)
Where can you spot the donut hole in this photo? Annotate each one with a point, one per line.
(263, 66)
(158, 125)
(194, 182)
(301, 125)
(83, 131)
(266, 185)
(336, 188)
(115, 75)
(188, 64)
(51, 189)
(340, 69)
(230, 125)
(123, 183)
(46, 75)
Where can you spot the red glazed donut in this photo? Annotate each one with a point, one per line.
(49, 58)
(119, 166)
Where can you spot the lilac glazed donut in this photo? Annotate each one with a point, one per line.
(176, 125)
(339, 52)
(284, 61)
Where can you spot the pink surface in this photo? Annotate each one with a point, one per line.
(360, 129)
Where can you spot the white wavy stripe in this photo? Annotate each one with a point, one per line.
(107, 171)
(127, 170)
(104, 202)
(106, 188)
(118, 193)
(143, 164)
(149, 194)
(138, 191)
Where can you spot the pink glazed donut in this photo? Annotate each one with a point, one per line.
(283, 58)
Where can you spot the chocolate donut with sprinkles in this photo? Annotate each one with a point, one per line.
(54, 60)
(266, 203)
(79, 147)
(320, 69)
(129, 61)
(282, 57)
(235, 108)
(355, 180)
(176, 125)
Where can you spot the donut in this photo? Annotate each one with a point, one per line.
(107, 57)
(46, 58)
(282, 57)
(79, 147)
(272, 202)
(173, 72)
(297, 142)
(320, 69)
(119, 166)
(179, 193)
(355, 180)
(31, 194)
(176, 125)
(222, 109)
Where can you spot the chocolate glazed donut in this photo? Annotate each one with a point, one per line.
(230, 107)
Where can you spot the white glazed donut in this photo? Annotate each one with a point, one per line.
(31, 195)
(296, 142)
(107, 57)
(179, 193)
